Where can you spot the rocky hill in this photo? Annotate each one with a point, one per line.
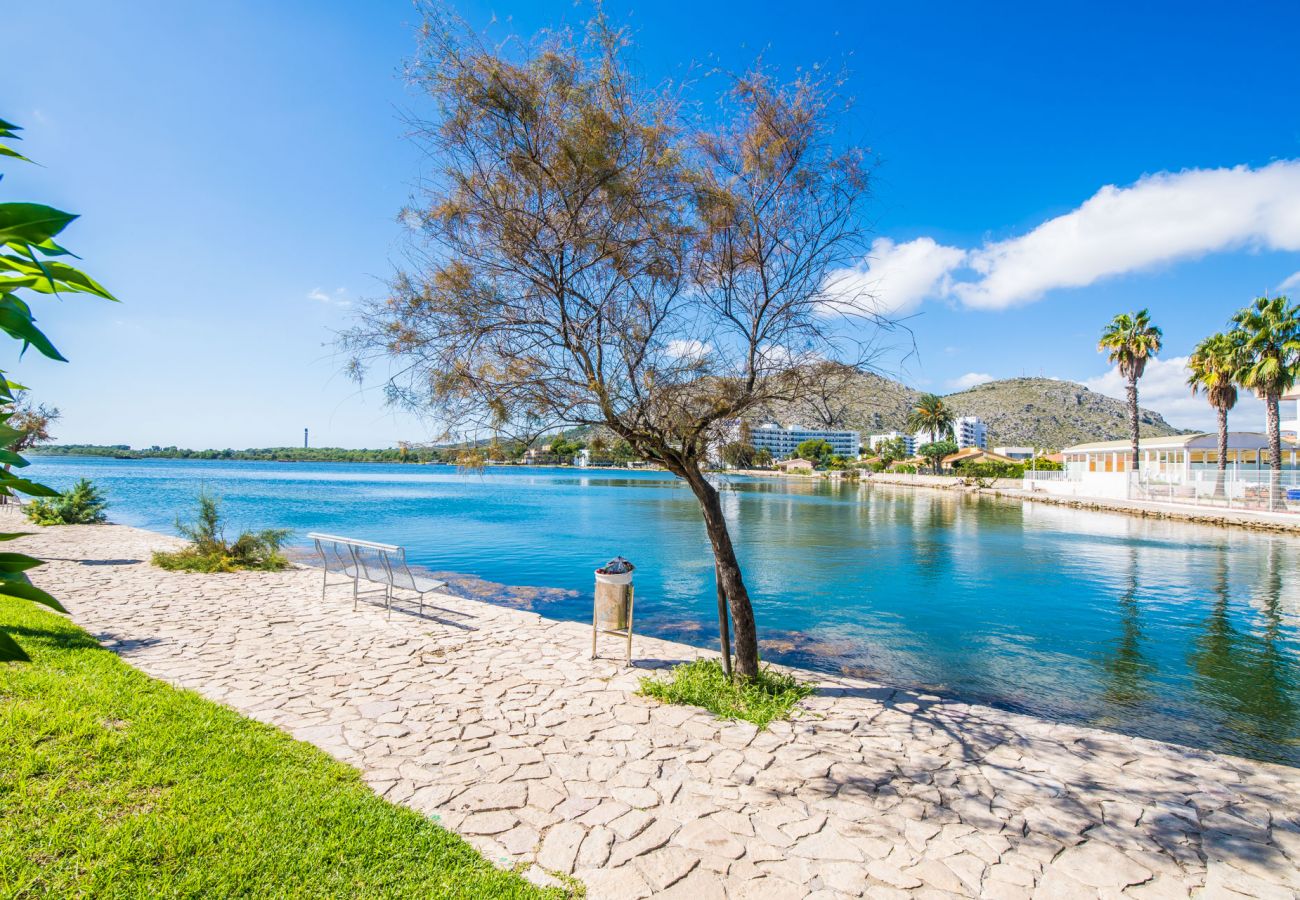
(1038, 412)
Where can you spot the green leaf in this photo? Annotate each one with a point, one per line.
(10, 651)
(25, 590)
(9, 151)
(50, 248)
(58, 276)
(8, 435)
(11, 563)
(31, 488)
(31, 223)
(17, 322)
(8, 457)
(14, 535)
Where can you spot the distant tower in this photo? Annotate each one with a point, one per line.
(304, 439)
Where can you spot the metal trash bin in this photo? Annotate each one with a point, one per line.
(612, 609)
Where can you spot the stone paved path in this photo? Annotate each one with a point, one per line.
(495, 721)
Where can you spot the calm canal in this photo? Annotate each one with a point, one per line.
(1179, 632)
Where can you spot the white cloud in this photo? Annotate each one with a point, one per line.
(895, 278)
(1158, 220)
(969, 380)
(688, 349)
(1163, 389)
(335, 298)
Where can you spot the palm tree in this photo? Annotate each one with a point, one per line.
(1271, 363)
(1131, 340)
(933, 415)
(1213, 368)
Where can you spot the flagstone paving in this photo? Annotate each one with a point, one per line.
(496, 722)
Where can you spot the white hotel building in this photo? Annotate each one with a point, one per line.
(967, 431)
(909, 442)
(781, 442)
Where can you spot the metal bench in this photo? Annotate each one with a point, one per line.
(360, 561)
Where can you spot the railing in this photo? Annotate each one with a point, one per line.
(1261, 491)
(1047, 475)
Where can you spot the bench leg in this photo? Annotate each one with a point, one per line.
(354, 592)
(324, 580)
(388, 599)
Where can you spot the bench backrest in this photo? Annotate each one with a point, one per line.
(372, 561)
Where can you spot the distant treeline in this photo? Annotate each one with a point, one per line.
(281, 454)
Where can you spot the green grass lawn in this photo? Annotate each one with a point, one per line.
(113, 784)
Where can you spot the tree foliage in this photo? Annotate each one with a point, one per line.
(891, 450)
(1212, 368)
(738, 454)
(31, 262)
(1129, 341)
(586, 255)
(1270, 364)
(32, 419)
(935, 451)
(816, 450)
(932, 416)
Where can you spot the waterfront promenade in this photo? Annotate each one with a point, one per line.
(496, 722)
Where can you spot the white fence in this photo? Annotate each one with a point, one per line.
(1055, 475)
(1260, 491)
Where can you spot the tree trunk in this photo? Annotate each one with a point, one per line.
(1274, 450)
(724, 628)
(1223, 451)
(730, 582)
(1132, 392)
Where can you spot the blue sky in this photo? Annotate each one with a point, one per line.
(239, 166)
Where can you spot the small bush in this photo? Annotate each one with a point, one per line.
(209, 551)
(989, 470)
(82, 504)
(769, 695)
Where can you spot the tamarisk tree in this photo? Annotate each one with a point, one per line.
(585, 256)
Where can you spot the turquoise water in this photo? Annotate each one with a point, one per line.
(1178, 632)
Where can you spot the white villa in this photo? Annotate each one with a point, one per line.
(1185, 461)
(1291, 426)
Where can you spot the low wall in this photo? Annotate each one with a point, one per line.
(948, 482)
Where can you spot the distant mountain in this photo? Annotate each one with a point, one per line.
(1037, 412)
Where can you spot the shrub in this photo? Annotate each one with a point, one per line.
(993, 470)
(767, 696)
(209, 551)
(82, 504)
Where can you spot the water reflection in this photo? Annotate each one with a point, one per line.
(1127, 670)
(1247, 675)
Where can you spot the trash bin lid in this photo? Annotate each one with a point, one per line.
(616, 566)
